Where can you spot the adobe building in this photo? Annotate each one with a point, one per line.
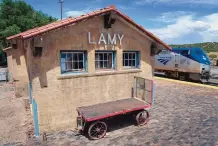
(79, 61)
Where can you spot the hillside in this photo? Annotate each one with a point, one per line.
(208, 46)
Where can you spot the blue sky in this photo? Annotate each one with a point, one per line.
(173, 21)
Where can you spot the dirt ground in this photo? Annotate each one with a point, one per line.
(182, 115)
(13, 117)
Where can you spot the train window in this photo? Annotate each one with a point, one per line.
(185, 52)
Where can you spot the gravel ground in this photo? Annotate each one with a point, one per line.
(14, 118)
(214, 72)
(182, 115)
(215, 69)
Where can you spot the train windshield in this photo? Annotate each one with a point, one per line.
(201, 53)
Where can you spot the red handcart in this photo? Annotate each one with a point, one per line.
(95, 116)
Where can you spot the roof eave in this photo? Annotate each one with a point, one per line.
(6, 49)
(96, 13)
(93, 14)
(152, 36)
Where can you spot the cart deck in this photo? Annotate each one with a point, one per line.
(109, 109)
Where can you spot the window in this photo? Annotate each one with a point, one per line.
(73, 61)
(14, 46)
(185, 52)
(131, 59)
(104, 60)
(37, 51)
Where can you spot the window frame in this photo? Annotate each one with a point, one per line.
(84, 54)
(137, 60)
(113, 55)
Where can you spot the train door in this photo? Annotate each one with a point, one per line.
(177, 58)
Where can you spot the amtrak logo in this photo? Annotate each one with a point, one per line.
(164, 60)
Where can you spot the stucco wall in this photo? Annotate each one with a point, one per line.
(57, 97)
(10, 64)
(17, 69)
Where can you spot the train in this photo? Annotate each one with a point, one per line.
(184, 64)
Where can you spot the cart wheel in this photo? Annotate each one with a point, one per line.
(97, 130)
(142, 118)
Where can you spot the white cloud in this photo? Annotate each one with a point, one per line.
(188, 29)
(75, 13)
(197, 2)
(170, 17)
(122, 7)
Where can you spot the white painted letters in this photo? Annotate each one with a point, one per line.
(102, 39)
(112, 41)
(120, 38)
(89, 38)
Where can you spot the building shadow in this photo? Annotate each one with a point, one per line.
(116, 123)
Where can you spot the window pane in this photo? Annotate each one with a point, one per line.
(69, 57)
(185, 52)
(80, 65)
(81, 56)
(101, 64)
(63, 57)
(105, 56)
(133, 56)
(68, 65)
(105, 64)
(75, 56)
(97, 57)
(126, 55)
(75, 65)
(63, 67)
(132, 63)
(130, 55)
(126, 63)
(101, 56)
(110, 57)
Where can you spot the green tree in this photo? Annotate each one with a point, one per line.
(18, 16)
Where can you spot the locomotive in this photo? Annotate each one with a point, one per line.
(184, 63)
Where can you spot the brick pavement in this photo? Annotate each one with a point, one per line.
(182, 115)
